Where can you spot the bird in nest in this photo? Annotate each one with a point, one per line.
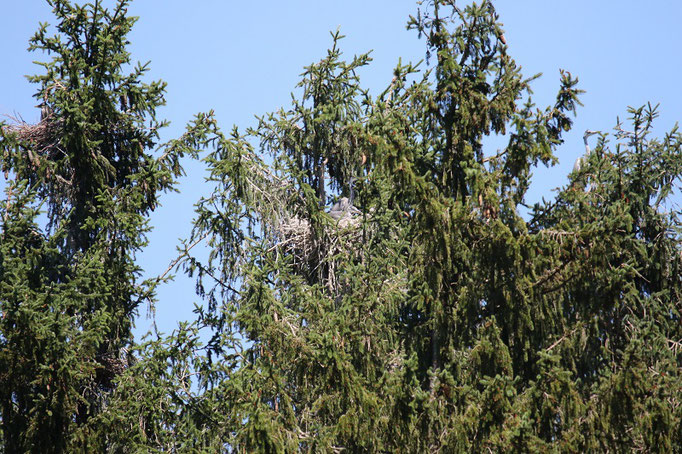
(343, 208)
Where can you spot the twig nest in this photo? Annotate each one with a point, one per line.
(43, 136)
(295, 236)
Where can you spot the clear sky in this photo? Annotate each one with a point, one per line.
(244, 59)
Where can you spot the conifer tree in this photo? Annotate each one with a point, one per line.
(375, 280)
(69, 282)
(426, 310)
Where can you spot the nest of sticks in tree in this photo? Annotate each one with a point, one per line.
(43, 136)
(111, 365)
(42, 144)
(296, 237)
(324, 253)
(320, 251)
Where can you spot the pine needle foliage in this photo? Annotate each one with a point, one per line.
(375, 281)
(442, 316)
(80, 184)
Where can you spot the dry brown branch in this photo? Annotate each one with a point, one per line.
(562, 338)
(549, 274)
(675, 346)
(558, 234)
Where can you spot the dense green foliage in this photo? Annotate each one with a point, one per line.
(69, 283)
(438, 313)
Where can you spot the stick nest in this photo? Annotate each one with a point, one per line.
(320, 253)
(42, 136)
(296, 236)
(42, 144)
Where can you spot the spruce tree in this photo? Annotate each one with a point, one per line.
(428, 309)
(81, 183)
(376, 281)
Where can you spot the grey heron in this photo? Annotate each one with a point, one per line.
(579, 162)
(45, 111)
(342, 208)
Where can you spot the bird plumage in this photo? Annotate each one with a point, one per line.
(579, 162)
(342, 208)
(44, 111)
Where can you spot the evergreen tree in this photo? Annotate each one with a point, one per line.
(427, 310)
(69, 283)
(375, 281)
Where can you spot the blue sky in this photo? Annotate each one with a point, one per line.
(244, 59)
